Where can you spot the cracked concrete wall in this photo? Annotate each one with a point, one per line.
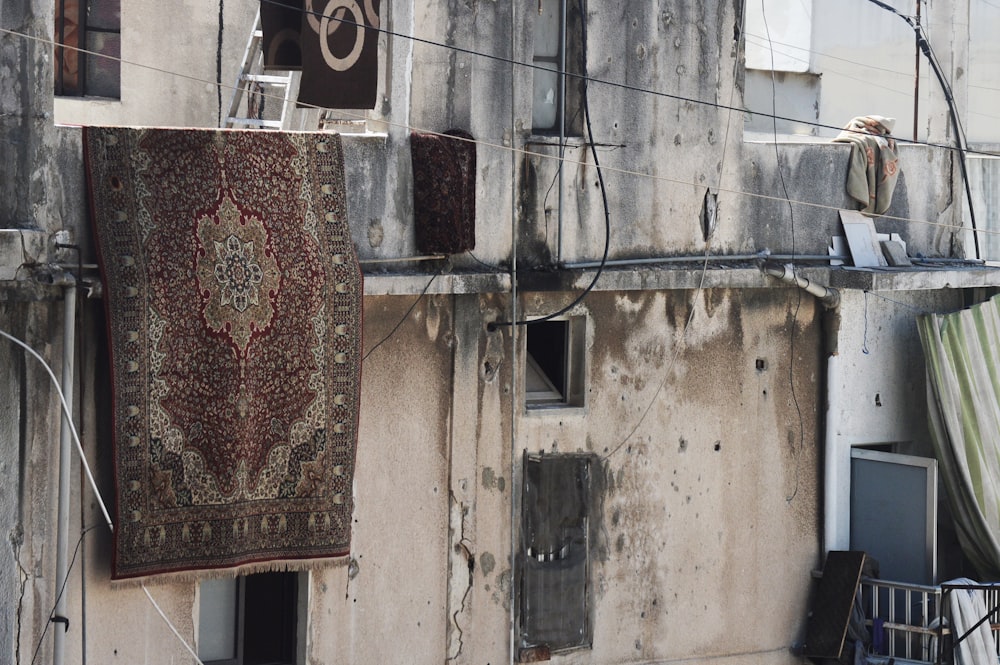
(708, 501)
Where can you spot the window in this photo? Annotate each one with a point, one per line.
(557, 37)
(89, 25)
(555, 552)
(554, 363)
(252, 620)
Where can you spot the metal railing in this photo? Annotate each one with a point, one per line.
(904, 618)
(911, 621)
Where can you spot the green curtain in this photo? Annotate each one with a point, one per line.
(962, 354)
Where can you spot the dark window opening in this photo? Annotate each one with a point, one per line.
(93, 26)
(251, 620)
(554, 553)
(554, 363)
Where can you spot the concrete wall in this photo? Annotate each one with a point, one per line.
(878, 398)
(865, 60)
(169, 70)
(710, 507)
(703, 404)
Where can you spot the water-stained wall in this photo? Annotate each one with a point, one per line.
(701, 405)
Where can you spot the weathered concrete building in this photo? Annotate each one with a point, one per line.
(705, 411)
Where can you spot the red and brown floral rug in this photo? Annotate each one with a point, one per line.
(233, 297)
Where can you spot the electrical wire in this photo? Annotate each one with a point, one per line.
(97, 493)
(582, 77)
(798, 292)
(701, 282)
(623, 86)
(62, 590)
(405, 316)
(960, 142)
(610, 169)
(69, 417)
(493, 325)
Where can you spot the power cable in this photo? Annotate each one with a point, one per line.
(493, 325)
(607, 168)
(960, 143)
(589, 79)
(610, 169)
(93, 484)
(623, 86)
(405, 316)
(798, 292)
(62, 590)
(701, 282)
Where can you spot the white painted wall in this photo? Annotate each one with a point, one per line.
(879, 392)
(866, 60)
(168, 69)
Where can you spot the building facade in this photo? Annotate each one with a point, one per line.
(651, 476)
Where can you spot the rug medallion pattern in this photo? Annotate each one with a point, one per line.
(233, 297)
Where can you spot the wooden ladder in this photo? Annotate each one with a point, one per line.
(253, 84)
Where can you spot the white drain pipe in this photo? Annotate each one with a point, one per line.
(829, 297)
(835, 484)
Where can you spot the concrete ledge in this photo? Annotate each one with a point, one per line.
(386, 284)
(654, 278)
(890, 279)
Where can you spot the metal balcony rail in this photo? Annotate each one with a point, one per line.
(911, 622)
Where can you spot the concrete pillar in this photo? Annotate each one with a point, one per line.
(947, 27)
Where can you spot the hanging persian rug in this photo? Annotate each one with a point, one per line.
(233, 297)
(339, 54)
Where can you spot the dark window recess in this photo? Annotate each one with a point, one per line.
(554, 553)
(93, 26)
(251, 620)
(554, 363)
(547, 108)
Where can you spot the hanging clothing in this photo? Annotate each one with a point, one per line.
(874, 165)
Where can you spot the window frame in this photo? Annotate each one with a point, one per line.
(552, 568)
(81, 86)
(569, 49)
(298, 584)
(572, 366)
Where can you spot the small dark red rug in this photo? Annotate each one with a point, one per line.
(233, 296)
(444, 191)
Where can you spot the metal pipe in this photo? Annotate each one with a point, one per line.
(828, 297)
(404, 259)
(916, 76)
(836, 469)
(698, 258)
(562, 125)
(512, 591)
(65, 443)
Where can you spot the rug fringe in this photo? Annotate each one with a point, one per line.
(193, 576)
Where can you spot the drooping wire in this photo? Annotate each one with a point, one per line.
(611, 169)
(93, 484)
(69, 417)
(960, 143)
(623, 86)
(405, 316)
(704, 266)
(584, 77)
(864, 339)
(493, 325)
(62, 590)
(798, 292)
